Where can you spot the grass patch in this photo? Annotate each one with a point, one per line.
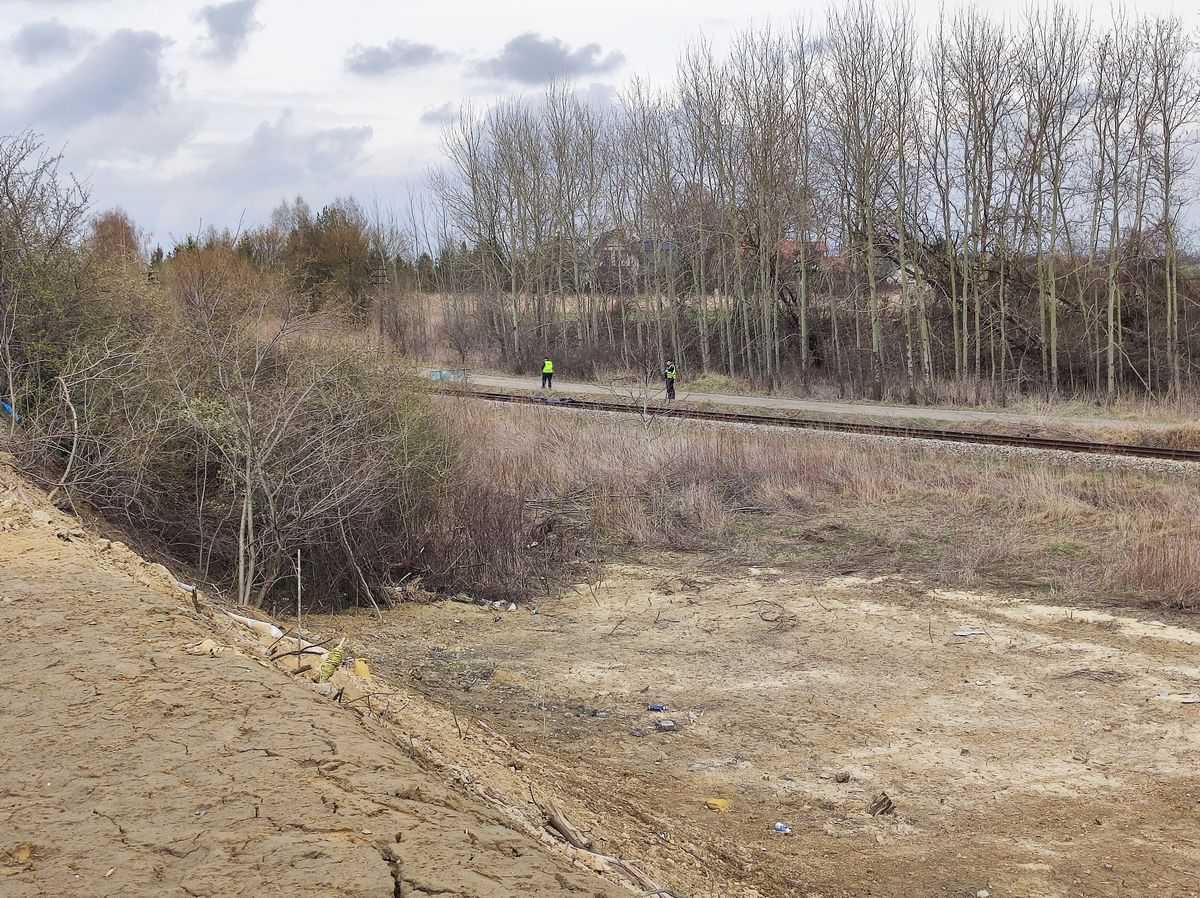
(712, 382)
(1160, 570)
(841, 506)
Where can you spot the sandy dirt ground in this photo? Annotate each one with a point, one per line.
(1050, 752)
(871, 410)
(1047, 751)
(130, 767)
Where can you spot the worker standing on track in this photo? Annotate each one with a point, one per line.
(672, 375)
(547, 374)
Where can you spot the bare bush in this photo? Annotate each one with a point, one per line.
(42, 214)
(1162, 569)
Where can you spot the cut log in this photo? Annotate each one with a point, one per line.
(263, 628)
(558, 820)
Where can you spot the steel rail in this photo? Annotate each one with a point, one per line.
(1021, 441)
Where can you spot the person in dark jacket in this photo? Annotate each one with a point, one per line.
(672, 375)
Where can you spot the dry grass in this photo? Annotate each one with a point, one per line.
(718, 383)
(1130, 406)
(944, 516)
(1162, 570)
(1184, 435)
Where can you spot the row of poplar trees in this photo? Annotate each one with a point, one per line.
(990, 206)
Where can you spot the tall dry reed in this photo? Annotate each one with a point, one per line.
(609, 479)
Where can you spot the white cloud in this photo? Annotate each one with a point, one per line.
(123, 73)
(147, 137)
(229, 28)
(281, 154)
(395, 56)
(37, 42)
(440, 115)
(530, 58)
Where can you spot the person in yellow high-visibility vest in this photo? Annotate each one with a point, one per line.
(547, 374)
(672, 374)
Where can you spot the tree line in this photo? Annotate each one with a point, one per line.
(972, 211)
(985, 206)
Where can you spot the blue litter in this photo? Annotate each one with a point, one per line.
(7, 409)
(657, 709)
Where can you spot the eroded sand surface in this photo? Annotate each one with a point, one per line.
(129, 767)
(1052, 754)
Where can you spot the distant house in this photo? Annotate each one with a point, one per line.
(887, 272)
(832, 265)
(789, 251)
(615, 262)
(660, 259)
(620, 262)
(650, 246)
(814, 250)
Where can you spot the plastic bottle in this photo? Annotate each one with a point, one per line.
(783, 828)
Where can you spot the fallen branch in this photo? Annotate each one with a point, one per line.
(614, 629)
(603, 863)
(269, 630)
(309, 650)
(559, 822)
(595, 860)
(770, 612)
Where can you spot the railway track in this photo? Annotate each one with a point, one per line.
(1023, 441)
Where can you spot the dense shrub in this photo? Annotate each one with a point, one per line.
(184, 398)
(246, 453)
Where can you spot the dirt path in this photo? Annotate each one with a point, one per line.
(839, 409)
(1050, 753)
(129, 767)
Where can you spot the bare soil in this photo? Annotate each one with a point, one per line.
(1052, 752)
(129, 767)
(1048, 751)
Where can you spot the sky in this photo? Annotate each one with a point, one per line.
(189, 114)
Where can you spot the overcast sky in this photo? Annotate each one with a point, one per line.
(191, 113)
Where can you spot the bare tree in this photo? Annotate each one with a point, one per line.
(42, 215)
(848, 199)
